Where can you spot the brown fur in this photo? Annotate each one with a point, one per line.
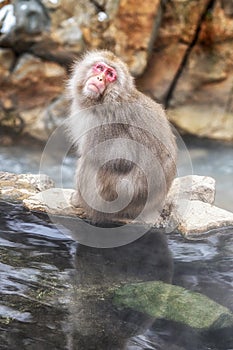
(120, 112)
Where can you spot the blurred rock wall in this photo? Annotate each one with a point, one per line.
(180, 52)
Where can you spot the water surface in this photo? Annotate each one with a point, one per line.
(55, 292)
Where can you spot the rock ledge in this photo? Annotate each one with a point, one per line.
(189, 208)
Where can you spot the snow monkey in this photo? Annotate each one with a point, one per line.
(126, 148)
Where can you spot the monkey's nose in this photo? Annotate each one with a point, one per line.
(101, 77)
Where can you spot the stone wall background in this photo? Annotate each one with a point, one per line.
(180, 51)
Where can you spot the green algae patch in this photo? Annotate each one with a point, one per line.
(174, 303)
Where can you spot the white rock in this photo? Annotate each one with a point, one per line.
(53, 201)
(188, 209)
(200, 217)
(15, 187)
(192, 187)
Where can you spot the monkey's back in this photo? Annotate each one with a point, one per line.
(127, 158)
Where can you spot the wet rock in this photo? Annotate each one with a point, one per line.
(183, 190)
(200, 217)
(192, 187)
(18, 187)
(189, 207)
(55, 201)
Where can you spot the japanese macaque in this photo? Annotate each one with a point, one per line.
(126, 149)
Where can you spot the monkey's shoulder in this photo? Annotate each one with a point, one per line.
(148, 103)
(138, 104)
(140, 112)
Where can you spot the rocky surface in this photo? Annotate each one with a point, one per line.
(192, 72)
(201, 217)
(55, 201)
(191, 188)
(189, 208)
(18, 187)
(180, 52)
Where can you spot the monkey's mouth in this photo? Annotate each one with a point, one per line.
(94, 88)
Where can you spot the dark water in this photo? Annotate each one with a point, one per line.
(53, 291)
(57, 294)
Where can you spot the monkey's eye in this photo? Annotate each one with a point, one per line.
(111, 74)
(100, 67)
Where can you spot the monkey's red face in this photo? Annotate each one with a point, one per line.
(103, 75)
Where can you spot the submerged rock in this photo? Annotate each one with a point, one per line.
(174, 303)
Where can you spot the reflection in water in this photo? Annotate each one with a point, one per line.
(33, 271)
(96, 322)
(58, 295)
